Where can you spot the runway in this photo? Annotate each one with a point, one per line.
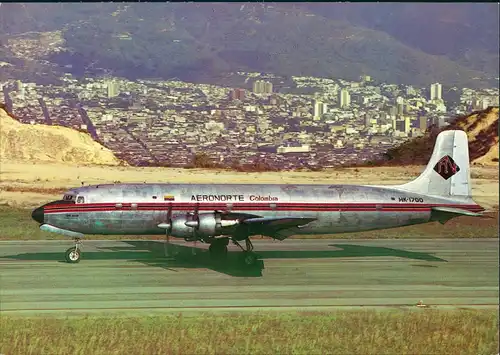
(134, 277)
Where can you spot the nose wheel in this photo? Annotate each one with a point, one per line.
(73, 254)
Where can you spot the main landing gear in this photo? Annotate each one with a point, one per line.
(73, 254)
(218, 250)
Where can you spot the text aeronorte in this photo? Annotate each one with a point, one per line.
(233, 198)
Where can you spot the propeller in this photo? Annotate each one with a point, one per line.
(197, 219)
(168, 229)
(194, 223)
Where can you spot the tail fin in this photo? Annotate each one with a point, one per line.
(448, 173)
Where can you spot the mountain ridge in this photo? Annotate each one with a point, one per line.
(207, 39)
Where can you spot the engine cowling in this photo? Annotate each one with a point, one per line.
(179, 228)
(202, 225)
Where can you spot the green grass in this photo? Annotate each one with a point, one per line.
(16, 224)
(342, 332)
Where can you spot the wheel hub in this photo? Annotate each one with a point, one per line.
(73, 255)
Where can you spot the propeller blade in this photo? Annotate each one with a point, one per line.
(167, 231)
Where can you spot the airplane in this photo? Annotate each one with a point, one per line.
(219, 213)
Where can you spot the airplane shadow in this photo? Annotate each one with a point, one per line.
(152, 253)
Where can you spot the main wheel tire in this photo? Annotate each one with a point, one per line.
(73, 255)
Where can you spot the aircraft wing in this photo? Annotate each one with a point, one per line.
(272, 226)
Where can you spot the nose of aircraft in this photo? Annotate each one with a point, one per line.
(37, 214)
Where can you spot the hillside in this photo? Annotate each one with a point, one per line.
(482, 131)
(205, 40)
(466, 33)
(39, 143)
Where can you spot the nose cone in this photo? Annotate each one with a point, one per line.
(37, 214)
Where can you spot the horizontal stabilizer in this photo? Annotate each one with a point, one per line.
(67, 233)
(444, 214)
(458, 211)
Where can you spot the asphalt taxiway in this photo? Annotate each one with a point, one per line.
(135, 277)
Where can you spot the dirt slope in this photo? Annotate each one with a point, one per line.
(39, 143)
(482, 131)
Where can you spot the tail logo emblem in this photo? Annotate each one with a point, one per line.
(446, 167)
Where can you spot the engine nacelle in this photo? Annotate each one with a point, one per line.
(179, 228)
(206, 225)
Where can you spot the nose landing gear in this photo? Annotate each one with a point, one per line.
(73, 254)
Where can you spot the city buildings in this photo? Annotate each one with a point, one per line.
(262, 87)
(155, 122)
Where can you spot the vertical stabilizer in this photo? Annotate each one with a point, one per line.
(448, 173)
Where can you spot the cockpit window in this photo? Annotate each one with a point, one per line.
(80, 199)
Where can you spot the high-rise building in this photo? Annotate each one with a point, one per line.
(400, 109)
(268, 87)
(237, 94)
(344, 98)
(320, 109)
(422, 123)
(368, 120)
(436, 91)
(392, 110)
(402, 125)
(407, 120)
(257, 86)
(113, 89)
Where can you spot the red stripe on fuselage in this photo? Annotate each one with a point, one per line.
(316, 207)
(256, 204)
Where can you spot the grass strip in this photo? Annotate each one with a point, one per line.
(340, 332)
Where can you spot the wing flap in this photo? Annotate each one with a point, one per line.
(281, 222)
(274, 226)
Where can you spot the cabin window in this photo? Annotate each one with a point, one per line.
(154, 197)
(80, 199)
